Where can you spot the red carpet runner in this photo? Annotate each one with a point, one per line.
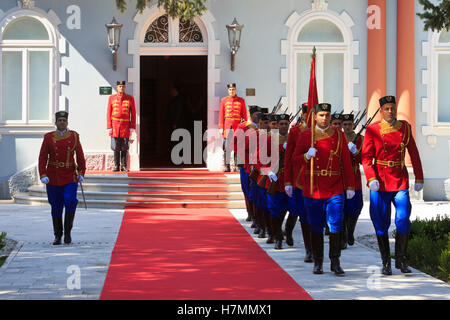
(192, 254)
(188, 254)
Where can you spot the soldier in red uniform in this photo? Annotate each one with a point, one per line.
(232, 112)
(61, 174)
(277, 199)
(245, 142)
(353, 207)
(332, 176)
(121, 122)
(383, 160)
(292, 184)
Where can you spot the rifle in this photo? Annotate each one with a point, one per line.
(81, 185)
(277, 107)
(365, 125)
(295, 116)
(360, 118)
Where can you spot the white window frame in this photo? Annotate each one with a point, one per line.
(26, 85)
(48, 20)
(291, 47)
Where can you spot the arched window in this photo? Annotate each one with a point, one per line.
(166, 31)
(442, 52)
(26, 72)
(331, 55)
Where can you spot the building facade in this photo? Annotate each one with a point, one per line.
(54, 56)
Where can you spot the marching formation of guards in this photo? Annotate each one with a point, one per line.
(317, 180)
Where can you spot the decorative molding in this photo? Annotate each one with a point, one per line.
(432, 141)
(284, 75)
(425, 104)
(439, 131)
(53, 17)
(425, 77)
(284, 47)
(347, 19)
(62, 74)
(319, 5)
(26, 4)
(132, 75)
(355, 76)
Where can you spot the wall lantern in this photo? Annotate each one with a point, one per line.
(234, 39)
(114, 39)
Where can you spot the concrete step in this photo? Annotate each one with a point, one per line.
(123, 194)
(24, 198)
(124, 179)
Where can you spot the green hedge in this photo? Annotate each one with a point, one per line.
(429, 247)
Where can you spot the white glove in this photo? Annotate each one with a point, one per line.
(272, 176)
(352, 147)
(374, 185)
(110, 131)
(132, 130)
(418, 186)
(284, 145)
(350, 193)
(311, 153)
(45, 180)
(80, 178)
(288, 190)
(221, 131)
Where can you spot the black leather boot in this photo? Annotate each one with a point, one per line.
(401, 243)
(343, 234)
(335, 253)
(249, 210)
(317, 252)
(116, 161)
(306, 232)
(257, 222)
(276, 222)
(57, 230)
(68, 224)
(385, 252)
(252, 204)
(290, 224)
(327, 229)
(268, 224)
(123, 161)
(262, 226)
(351, 225)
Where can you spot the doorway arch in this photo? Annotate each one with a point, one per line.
(210, 48)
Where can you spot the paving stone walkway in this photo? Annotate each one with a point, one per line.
(39, 270)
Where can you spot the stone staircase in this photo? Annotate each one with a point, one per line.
(196, 188)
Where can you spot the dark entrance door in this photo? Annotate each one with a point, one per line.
(159, 107)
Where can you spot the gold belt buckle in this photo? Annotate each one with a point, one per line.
(323, 172)
(391, 164)
(61, 164)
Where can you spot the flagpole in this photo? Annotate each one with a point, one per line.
(311, 177)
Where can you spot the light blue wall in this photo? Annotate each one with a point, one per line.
(89, 62)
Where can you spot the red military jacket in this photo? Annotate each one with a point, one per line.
(383, 155)
(291, 169)
(121, 116)
(356, 159)
(333, 171)
(232, 110)
(279, 167)
(245, 142)
(56, 158)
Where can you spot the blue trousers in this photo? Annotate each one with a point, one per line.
(277, 204)
(296, 207)
(244, 181)
(380, 211)
(61, 197)
(261, 202)
(321, 211)
(353, 206)
(252, 191)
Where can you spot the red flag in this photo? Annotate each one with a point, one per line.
(312, 94)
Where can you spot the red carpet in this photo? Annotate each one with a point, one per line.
(192, 254)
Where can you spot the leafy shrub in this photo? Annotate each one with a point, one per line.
(2, 240)
(429, 246)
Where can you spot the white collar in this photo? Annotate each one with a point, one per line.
(322, 130)
(392, 123)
